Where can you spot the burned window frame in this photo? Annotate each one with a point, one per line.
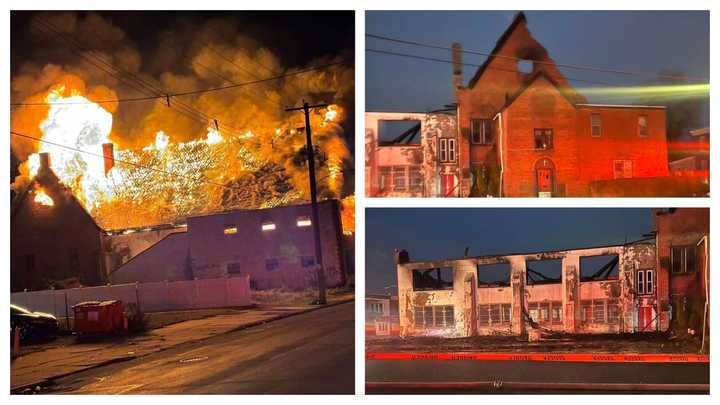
(415, 177)
(543, 133)
(547, 279)
(608, 274)
(496, 284)
(683, 259)
(415, 135)
(595, 305)
(439, 284)
(482, 135)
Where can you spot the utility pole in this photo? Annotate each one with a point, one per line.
(313, 198)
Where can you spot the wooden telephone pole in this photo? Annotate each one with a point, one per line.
(313, 199)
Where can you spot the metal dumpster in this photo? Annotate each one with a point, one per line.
(99, 317)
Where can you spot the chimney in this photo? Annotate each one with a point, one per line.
(108, 156)
(44, 162)
(401, 256)
(457, 65)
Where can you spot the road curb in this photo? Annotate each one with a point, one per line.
(551, 357)
(49, 380)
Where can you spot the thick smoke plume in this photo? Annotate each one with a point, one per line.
(263, 150)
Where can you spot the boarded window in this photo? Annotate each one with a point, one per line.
(544, 271)
(433, 279)
(600, 267)
(480, 131)
(543, 138)
(642, 126)
(493, 275)
(595, 125)
(399, 132)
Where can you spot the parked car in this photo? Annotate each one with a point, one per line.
(32, 324)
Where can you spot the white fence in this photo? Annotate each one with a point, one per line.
(151, 297)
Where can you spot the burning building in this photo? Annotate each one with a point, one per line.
(519, 129)
(54, 242)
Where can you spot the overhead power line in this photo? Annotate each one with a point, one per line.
(192, 92)
(563, 65)
(474, 64)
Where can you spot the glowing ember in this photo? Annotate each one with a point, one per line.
(43, 199)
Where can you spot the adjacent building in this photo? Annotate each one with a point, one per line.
(381, 315)
(683, 247)
(273, 246)
(520, 129)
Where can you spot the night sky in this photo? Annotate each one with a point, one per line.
(442, 233)
(643, 41)
(298, 37)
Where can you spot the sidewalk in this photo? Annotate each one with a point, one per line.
(71, 356)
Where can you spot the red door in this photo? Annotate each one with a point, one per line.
(645, 319)
(447, 184)
(544, 180)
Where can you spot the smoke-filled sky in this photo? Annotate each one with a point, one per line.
(639, 41)
(184, 51)
(443, 233)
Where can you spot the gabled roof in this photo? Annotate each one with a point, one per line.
(530, 81)
(519, 18)
(44, 178)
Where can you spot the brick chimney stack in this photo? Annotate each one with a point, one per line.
(108, 156)
(457, 65)
(44, 161)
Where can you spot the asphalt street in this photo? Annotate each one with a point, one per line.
(311, 353)
(529, 376)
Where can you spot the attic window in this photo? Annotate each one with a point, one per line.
(303, 222)
(525, 66)
(230, 230)
(268, 226)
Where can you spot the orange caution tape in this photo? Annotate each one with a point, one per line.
(569, 357)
